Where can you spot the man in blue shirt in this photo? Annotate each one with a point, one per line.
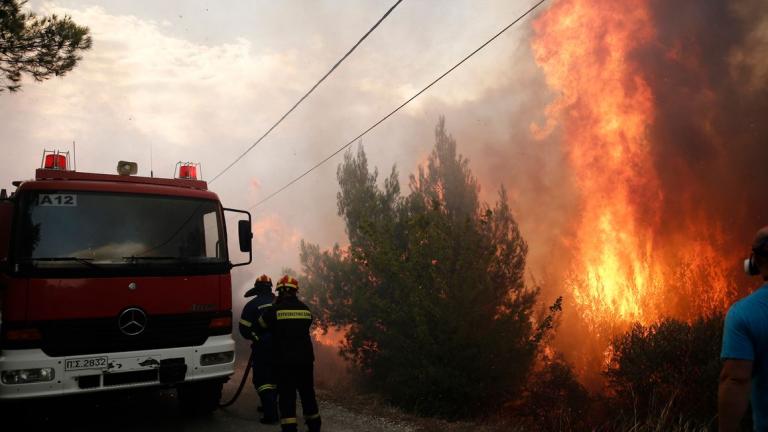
(745, 349)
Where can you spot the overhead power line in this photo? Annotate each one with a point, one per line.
(351, 50)
(391, 113)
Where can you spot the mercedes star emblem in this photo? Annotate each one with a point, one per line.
(132, 286)
(132, 321)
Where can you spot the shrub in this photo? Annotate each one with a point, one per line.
(669, 367)
(553, 399)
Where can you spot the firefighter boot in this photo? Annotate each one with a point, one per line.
(289, 427)
(313, 424)
(269, 406)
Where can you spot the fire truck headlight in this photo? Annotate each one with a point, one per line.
(26, 376)
(217, 358)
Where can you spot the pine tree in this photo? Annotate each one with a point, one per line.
(38, 46)
(431, 287)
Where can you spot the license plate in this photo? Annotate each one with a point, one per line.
(86, 363)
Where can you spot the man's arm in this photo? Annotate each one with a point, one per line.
(733, 393)
(245, 325)
(267, 318)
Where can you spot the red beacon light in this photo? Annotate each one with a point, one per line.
(55, 160)
(188, 170)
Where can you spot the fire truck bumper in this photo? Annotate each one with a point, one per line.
(32, 374)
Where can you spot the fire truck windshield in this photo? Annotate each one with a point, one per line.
(76, 229)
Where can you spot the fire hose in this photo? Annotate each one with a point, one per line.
(242, 383)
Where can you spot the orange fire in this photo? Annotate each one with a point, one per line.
(605, 107)
(334, 337)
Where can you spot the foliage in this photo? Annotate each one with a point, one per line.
(671, 366)
(553, 398)
(287, 271)
(431, 287)
(39, 46)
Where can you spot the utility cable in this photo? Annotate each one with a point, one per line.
(365, 36)
(391, 113)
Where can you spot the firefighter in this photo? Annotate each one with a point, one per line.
(261, 346)
(289, 321)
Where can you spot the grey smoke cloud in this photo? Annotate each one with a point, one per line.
(201, 81)
(709, 136)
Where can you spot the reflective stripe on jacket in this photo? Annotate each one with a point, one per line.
(252, 312)
(290, 321)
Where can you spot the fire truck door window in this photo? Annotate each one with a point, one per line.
(211, 230)
(120, 228)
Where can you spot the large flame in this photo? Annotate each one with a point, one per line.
(605, 108)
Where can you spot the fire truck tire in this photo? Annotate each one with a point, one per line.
(200, 397)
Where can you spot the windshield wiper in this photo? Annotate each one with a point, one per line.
(148, 258)
(84, 261)
(184, 260)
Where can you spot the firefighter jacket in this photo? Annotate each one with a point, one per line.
(253, 310)
(289, 320)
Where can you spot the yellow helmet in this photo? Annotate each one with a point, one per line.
(262, 285)
(287, 283)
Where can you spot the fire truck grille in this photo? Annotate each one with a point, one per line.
(91, 336)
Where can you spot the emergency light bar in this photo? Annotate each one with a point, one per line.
(55, 160)
(187, 170)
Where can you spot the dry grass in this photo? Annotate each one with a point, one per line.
(374, 405)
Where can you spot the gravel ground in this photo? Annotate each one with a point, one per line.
(371, 406)
(336, 418)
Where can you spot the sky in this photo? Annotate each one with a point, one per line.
(202, 80)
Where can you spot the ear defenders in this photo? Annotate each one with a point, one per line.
(749, 266)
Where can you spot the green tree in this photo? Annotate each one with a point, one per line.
(38, 46)
(431, 287)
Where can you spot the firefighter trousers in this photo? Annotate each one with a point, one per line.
(290, 380)
(265, 383)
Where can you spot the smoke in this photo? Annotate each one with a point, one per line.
(749, 61)
(710, 140)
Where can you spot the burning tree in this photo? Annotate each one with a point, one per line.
(431, 286)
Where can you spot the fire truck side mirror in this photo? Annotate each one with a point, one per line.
(245, 234)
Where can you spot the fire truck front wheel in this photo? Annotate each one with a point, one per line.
(200, 397)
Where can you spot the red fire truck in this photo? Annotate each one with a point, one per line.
(115, 281)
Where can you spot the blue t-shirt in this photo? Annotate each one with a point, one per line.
(745, 337)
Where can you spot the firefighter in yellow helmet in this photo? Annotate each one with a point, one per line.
(261, 346)
(290, 320)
